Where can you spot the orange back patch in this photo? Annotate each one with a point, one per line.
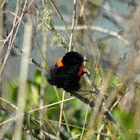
(59, 62)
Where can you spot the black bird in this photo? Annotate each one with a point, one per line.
(67, 72)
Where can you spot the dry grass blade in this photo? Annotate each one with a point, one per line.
(13, 33)
(34, 110)
(60, 16)
(83, 129)
(42, 92)
(61, 113)
(1, 38)
(23, 79)
(96, 120)
(92, 40)
(73, 24)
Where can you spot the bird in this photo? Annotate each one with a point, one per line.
(67, 72)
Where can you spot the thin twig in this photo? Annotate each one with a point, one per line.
(64, 115)
(100, 130)
(30, 60)
(92, 40)
(34, 110)
(98, 105)
(41, 101)
(14, 106)
(52, 121)
(96, 28)
(25, 127)
(83, 99)
(73, 24)
(83, 129)
(13, 33)
(61, 112)
(60, 16)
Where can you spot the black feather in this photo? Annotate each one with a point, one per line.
(66, 77)
(72, 58)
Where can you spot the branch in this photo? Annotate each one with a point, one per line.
(96, 28)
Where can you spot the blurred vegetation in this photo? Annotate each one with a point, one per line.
(49, 112)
